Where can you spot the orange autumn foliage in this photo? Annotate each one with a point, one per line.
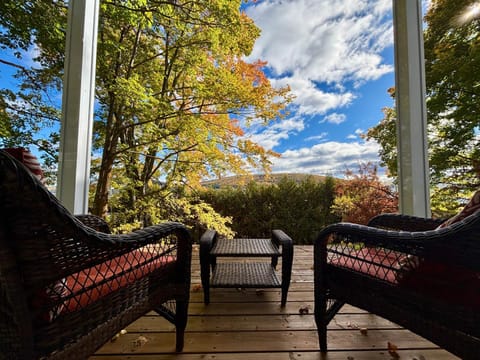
(362, 195)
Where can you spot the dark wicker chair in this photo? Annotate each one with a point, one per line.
(405, 270)
(65, 288)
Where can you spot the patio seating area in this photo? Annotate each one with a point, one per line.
(420, 273)
(251, 325)
(65, 288)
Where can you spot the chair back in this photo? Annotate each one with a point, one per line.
(16, 328)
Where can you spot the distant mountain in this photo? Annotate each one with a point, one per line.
(237, 181)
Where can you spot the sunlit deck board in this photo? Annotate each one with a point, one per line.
(251, 325)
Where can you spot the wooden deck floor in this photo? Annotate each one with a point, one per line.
(251, 325)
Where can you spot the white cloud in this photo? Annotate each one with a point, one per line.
(318, 137)
(324, 50)
(321, 39)
(356, 134)
(335, 118)
(308, 43)
(310, 99)
(272, 135)
(30, 56)
(329, 158)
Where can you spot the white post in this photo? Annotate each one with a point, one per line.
(77, 105)
(412, 141)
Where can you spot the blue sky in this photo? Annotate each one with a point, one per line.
(337, 57)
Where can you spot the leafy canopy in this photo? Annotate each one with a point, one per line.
(173, 93)
(452, 63)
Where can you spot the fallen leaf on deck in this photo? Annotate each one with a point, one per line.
(363, 331)
(197, 288)
(122, 332)
(352, 325)
(303, 310)
(420, 357)
(350, 358)
(392, 350)
(140, 341)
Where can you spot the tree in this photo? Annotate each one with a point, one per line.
(178, 90)
(173, 94)
(362, 195)
(452, 63)
(452, 52)
(26, 110)
(385, 133)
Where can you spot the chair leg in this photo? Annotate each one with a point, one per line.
(324, 313)
(207, 262)
(181, 318)
(287, 261)
(321, 321)
(284, 297)
(322, 338)
(320, 295)
(206, 286)
(285, 286)
(205, 276)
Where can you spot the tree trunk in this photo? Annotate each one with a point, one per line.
(100, 202)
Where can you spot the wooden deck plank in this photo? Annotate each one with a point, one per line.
(294, 355)
(262, 323)
(244, 324)
(264, 341)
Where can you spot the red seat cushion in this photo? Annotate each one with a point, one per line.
(375, 262)
(87, 286)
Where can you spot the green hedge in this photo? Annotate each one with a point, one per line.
(301, 209)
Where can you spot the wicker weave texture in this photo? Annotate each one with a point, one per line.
(390, 268)
(244, 247)
(247, 275)
(106, 281)
(229, 272)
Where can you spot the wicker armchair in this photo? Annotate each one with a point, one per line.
(406, 270)
(66, 288)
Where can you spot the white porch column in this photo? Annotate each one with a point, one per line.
(77, 105)
(412, 142)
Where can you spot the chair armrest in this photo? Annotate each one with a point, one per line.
(404, 222)
(90, 247)
(349, 233)
(456, 244)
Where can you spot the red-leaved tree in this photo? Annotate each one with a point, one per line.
(362, 195)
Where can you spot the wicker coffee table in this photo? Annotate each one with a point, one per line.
(258, 268)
